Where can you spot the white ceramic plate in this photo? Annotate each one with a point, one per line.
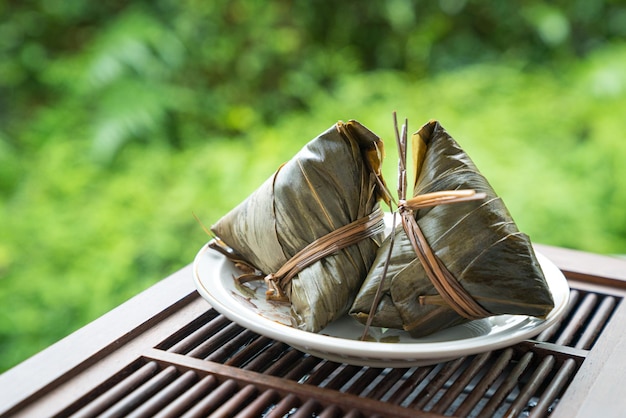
(340, 341)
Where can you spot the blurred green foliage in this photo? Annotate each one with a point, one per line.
(119, 119)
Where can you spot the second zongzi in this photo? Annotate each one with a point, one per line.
(451, 263)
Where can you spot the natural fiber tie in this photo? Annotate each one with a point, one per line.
(448, 287)
(350, 234)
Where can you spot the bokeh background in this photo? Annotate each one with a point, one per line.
(120, 119)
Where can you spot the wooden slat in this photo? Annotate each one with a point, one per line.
(237, 402)
(166, 396)
(461, 382)
(428, 394)
(363, 384)
(554, 389)
(282, 408)
(216, 339)
(485, 383)
(212, 400)
(537, 379)
(140, 395)
(600, 318)
(265, 382)
(118, 392)
(191, 396)
(257, 407)
(507, 385)
(597, 390)
(197, 337)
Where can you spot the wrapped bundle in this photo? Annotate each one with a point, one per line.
(450, 263)
(311, 231)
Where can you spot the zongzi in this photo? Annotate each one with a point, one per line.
(311, 231)
(451, 263)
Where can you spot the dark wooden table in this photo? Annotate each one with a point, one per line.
(166, 352)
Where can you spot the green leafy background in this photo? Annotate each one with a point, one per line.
(119, 120)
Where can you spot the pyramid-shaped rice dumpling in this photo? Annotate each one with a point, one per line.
(476, 241)
(313, 228)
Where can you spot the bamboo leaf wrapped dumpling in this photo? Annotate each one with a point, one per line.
(476, 241)
(313, 228)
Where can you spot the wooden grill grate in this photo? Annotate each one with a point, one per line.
(214, 366)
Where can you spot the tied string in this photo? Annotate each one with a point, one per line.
(447, 286)
(350, 234)
(345, 236)
(450, 292)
